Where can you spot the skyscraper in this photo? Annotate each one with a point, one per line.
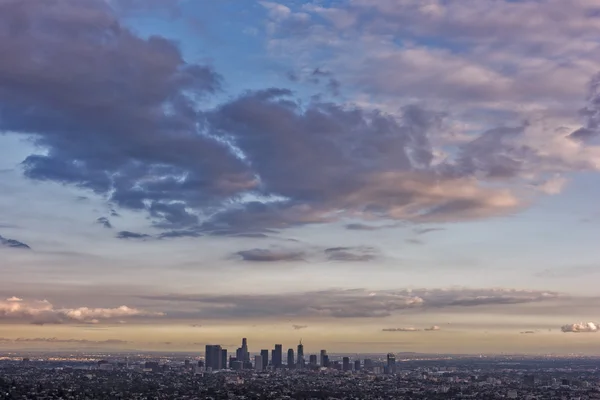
(290, 359)
(258, 363)
(265, 358)
(223, 358)
(323, 355)
(357, 365)
(245, 353)
(313, 360)
(300, 360)
(368, 364)
(391, 363)
(212, 357)
(346, 364)
(278, 356)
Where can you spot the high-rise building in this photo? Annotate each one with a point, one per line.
(357, 365)
(323, 355)
(313, 360)
(265, 358)
(391, 363)
(300, 359)
(277, 356)
(245, 352)
(223, 358)
(212, 357)
(346, 364)
(290, 359)
(258, 363)
(368, 364)
(326, 361)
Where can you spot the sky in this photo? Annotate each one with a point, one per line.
(364, 175)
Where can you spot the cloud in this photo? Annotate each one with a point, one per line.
(527, 332)
(43, 312)
(350, 303)
(400, 330)
(128, 118)
(14, 244)
(358, 253)
(132, 235)
(14, 299)
(179, 234)
(423, 231)
(105, 222)
(433, 328)
(270, 255)
(582, 327)
(298, 327)
(56, 340)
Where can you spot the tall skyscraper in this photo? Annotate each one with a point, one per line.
(300, 360)
(278, 356)
(391, 363)
(245, 352)
(346, 364)
(290, 359)
(326, 361)
(368, 364)
(323, 355)
(213, 356)
(223, 358)
(313, 360)
(265, 358)
(258, 363)
(357, 365)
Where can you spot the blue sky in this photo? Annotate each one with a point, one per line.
(355, 164)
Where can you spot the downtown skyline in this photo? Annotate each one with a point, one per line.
(369, 175)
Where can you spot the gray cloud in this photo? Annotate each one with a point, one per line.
(270, 255)
(351, 303)
(105, 222)
(423, 231)
(298, 327)
(56, 340)
(12, 243)
(95, 103)
(400, 330)
(179, 234)
(356, 253)
(132, 235)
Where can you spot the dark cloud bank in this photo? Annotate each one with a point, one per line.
(124, 117)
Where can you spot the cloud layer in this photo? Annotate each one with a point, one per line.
(128, 118)
(42, 312)
(351, 303)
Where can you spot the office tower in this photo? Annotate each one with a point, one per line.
(245, 353)
(213, 357)
(346, 363)
(232, 359)
(186, 363)
(265, 358)
(290, 358)
(237, 365)
(357, 365)
(258, 363)
(326, 361)
(300, 360)
(368, 364)
(313, 360)
(277, 356)
(391, 363)
(323, 354)
(223, 358)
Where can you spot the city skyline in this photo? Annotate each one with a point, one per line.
(367, 175)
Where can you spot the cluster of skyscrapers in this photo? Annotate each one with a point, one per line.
(216, 359)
